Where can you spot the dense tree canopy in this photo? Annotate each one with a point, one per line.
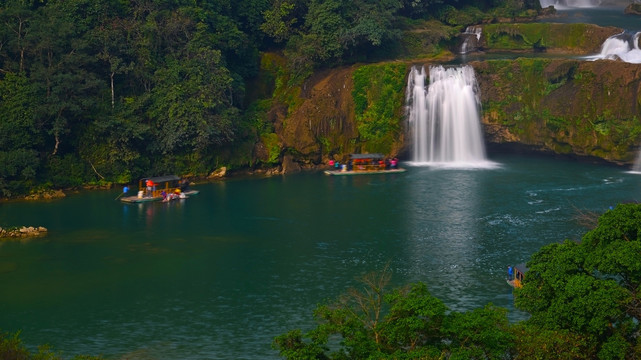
(110, 90)
(374, 322)
(591, 289)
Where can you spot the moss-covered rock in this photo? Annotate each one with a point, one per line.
(564, 106)
(633, 9)
(551, 37)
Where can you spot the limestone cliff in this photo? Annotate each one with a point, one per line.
(338, 112)
(560, 105)
(587, 108)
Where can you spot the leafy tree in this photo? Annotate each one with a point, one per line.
(189, 104)
(15, 17)
(420, 8)
(11, 348)
(284, 19)
(532, 342)
(331, 32)
(18, 128)
(19, 136)
(404, 323)
(62, 67)
(590, 289)
(414, 322)
(483, 333)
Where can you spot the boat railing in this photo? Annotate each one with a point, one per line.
(157, 192)
(368, 167)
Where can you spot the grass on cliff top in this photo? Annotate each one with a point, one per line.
(527, 36)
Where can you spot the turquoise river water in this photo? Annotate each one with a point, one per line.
(218, 275)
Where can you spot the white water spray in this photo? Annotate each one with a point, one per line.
(471, 39)
(568, 4)
(445, 119)
(623, 46)
(636, 167)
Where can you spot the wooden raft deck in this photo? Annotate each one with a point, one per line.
(136, 199)
(363, 172)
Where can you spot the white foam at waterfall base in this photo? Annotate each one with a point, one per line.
(445, 118)
(636, 167)
(624, 47)
(570, 4)
(470, 31)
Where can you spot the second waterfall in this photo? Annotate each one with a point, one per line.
(444, 119)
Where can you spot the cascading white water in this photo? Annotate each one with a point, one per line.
(636, 167)
(445, 119)
(623, 46)
(471, 38)
(562, 4)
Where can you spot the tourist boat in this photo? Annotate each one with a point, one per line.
(169, 184)
(365, 164)
(518, 273)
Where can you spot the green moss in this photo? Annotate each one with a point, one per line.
(325, 143)
(272, 144)
(286, 84)
(426, 39)
(565, 106)
(555, 123)
(562, 148)
(378, 97)
(524, 36)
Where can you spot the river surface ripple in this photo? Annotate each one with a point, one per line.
(218, 275)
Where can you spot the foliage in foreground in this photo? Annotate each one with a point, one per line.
(583, 299)
(403, 323)
(591, 288)
(11, 348)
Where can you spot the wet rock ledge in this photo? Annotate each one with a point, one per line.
(22, 232)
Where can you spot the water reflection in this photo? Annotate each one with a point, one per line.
(221, 274)
(443, 218)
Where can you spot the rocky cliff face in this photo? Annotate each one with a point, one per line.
(324, 123)
(587, 108)
(562, 105)
(338, 112)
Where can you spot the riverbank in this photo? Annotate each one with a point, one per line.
(289, 166)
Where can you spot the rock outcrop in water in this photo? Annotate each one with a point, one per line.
(22, 232)
(633, 9)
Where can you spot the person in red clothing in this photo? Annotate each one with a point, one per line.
(150, 187)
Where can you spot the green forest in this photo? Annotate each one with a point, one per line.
(102, 92)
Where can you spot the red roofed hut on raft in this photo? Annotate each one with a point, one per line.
(363, 164)
(159, 188)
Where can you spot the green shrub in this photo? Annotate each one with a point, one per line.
(378, 96)
(272, 144)
(11, 348)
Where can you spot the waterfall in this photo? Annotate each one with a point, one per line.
(471, 38)
(636, 167)
(564, 4)
(623, 46)
(445, 119)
